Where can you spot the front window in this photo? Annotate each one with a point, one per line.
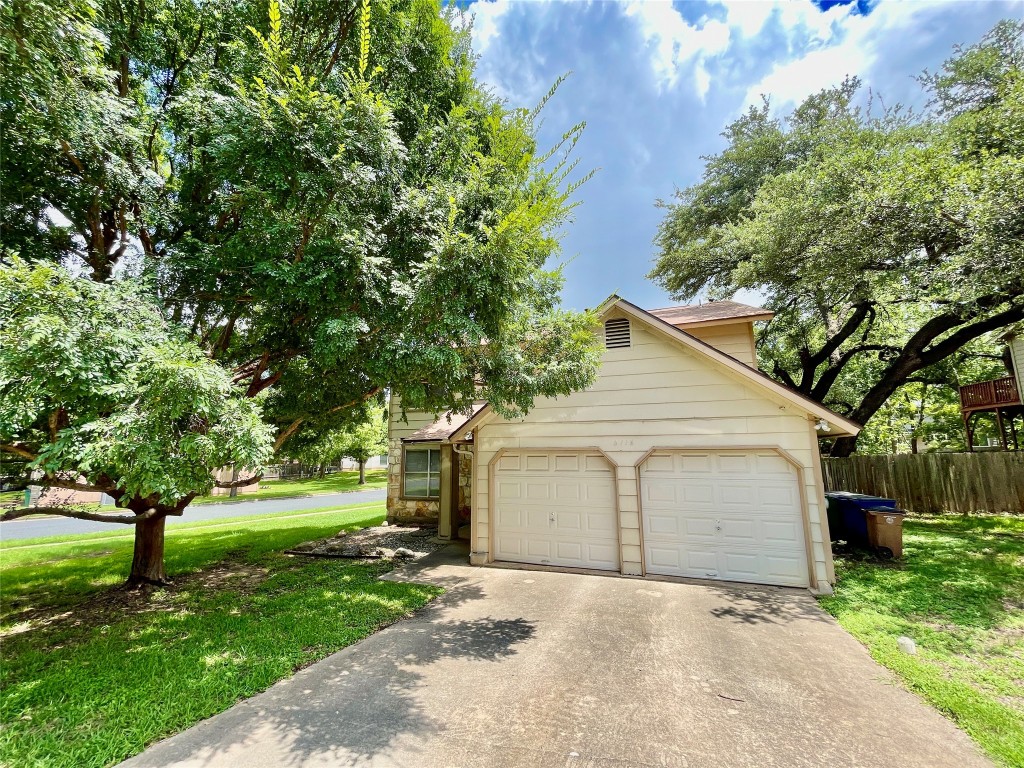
(422, 473)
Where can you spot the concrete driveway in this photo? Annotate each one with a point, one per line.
(535, 668)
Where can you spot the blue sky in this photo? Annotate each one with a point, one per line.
(657, 81)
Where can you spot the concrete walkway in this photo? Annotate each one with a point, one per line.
(535, 668)
(29, 528)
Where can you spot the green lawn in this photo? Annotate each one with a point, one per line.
(960, 595)
(92, 674)
(10, 497)
(337, 482)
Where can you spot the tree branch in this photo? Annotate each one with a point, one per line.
(238, 483)
(783, 375)
(290, 430)
(344, 25)
(258, 385)
(828, 377)
(18, 450)
(14, 514)
(956, 340)
(49, 481)
(810, 362)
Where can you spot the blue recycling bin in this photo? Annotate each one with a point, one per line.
(847, 515)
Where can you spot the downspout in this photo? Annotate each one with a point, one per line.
(463, 452)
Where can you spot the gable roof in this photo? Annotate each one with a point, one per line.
(711, 313)
(762, 380)
(482, 411)
(445, 427)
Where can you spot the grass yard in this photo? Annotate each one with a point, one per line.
(8, 497)
(960, 595)
(92, 674)
(338, 482)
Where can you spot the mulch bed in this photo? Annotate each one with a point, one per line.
(380, 541)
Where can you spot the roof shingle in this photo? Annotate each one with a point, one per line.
(444, 427)
(712, 311)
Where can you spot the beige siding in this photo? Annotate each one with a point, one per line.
(735, 339)
(654, 394)
(397, 429)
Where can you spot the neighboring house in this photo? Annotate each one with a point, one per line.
(1002, 397)
(1015, 343)
(374, 462)
(681, 460)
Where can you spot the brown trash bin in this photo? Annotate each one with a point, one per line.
(885, 530)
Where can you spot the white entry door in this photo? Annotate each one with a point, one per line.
(555, 508)
(723, 515)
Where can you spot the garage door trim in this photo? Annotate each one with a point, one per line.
(783, 453)
(492, 466)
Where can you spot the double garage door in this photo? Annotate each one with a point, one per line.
(710, 515)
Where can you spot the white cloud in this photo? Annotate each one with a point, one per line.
(702, 80)
(750, 17)
(832, 45)
(511, 75)
(813, 48)
(790, 83)
(673, 42)
(486, 15)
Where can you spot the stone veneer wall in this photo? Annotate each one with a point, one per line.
(465, 500)
(399, 509)
(419, 510)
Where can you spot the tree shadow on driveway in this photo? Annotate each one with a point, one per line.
(749, 604)
(362, 704)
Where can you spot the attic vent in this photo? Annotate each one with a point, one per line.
(616, 333)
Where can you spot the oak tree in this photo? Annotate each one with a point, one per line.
(886, 241)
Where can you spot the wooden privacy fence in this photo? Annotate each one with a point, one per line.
(935, 482)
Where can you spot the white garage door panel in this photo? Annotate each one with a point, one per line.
(555, 509)
(734, 516)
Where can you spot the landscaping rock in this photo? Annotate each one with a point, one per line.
(907, 645)
(381, 541)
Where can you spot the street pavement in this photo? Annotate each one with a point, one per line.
(28, 528)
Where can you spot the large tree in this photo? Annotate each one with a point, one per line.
(98, 392)
(885, 241)
(318, 195)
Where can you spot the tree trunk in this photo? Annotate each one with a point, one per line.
(875, 398)
(843, 447)
(362, 471)
(148, 562)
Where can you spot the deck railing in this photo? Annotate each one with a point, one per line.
(989, 394)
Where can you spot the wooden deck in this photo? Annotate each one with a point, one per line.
(990, 395)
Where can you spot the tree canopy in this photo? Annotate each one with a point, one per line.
(359, 442)
(102, 393)
(314, 192)
(886, 241)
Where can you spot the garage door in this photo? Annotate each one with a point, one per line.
(555, 508)
(734, 516)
